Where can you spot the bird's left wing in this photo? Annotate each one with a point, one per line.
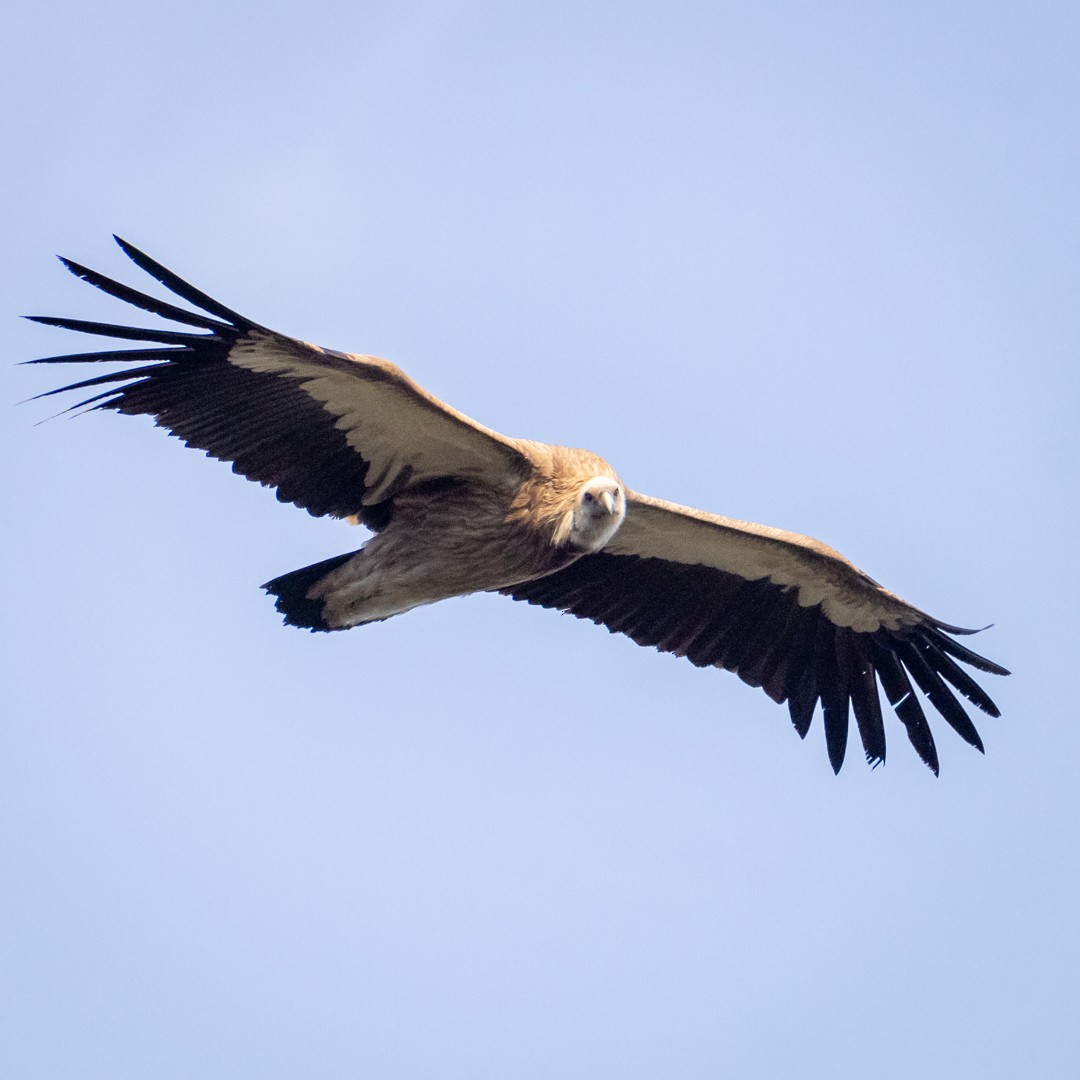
(783, 611)
(334, 433)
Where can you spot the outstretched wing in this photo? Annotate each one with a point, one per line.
(782, 611)
(334, 433)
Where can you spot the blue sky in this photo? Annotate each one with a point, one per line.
(810, 265)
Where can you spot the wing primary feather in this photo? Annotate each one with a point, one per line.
(938, 694)
(834, 704)
(961, 652)
(126, 356)
(898, 690)
(865, 702)
(832, 689)
(97, 401)
(129, 333)
(141, 299)
(801, 702)
(960, 679)
(101, 380)
(183, 289)
(964, 630)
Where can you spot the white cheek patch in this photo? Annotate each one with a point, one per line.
(593, 533)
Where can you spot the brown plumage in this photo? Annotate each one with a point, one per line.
(457, 508)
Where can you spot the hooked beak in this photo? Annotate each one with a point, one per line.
(608, 500)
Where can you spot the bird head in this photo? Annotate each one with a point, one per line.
(598, 513)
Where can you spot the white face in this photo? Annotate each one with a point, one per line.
(600, 510)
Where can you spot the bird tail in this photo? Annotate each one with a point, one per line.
(292, 591)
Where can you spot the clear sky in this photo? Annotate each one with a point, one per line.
(815, 265)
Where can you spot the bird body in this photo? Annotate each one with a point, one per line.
(456, 507)
(452, 538)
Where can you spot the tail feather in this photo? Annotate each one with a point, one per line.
(292, 590)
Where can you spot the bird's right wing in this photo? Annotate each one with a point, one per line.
(334, 433)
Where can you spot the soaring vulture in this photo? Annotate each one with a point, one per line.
(457, 508)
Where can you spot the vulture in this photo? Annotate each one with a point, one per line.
(455, 508)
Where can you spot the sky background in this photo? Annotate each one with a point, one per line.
(814, 265)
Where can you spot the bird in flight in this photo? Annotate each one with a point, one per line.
(457, 508)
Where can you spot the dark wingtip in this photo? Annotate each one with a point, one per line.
(184, 289)
(137, 256)
(986, 665)
(965, 630)
(130, 250)
(76, 268)
(939, 633)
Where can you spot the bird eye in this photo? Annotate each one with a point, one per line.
(587, 497)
